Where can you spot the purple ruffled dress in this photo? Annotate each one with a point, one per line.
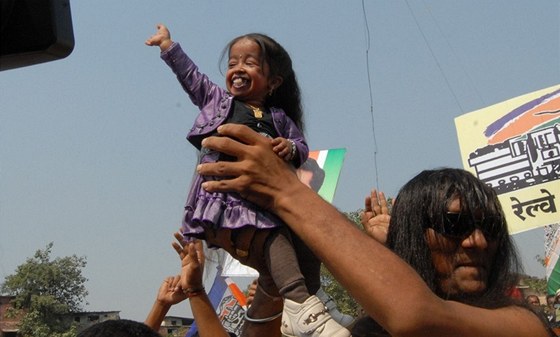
(220, 210)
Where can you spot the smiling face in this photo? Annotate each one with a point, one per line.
(247, 76)
(462, 265)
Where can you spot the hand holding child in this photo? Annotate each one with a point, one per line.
(251, 291)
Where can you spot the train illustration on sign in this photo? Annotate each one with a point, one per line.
(521, 161)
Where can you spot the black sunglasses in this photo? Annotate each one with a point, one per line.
(459, 226)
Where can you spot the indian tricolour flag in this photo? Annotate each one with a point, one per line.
(331, 162)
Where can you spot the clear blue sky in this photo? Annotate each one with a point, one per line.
(93, 155)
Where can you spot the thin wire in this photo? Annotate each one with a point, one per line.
(455, 54)
(370, 97)
(435, 58)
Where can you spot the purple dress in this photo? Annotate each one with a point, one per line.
(221, 210)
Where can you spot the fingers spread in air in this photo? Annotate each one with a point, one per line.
(180, 245)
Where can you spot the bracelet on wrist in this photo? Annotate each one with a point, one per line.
(293, 149)
(192, 292)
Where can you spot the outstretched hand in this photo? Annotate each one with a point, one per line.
(258, 175)
(375, 216)
(170, 292)
(192, 262)
(161, 38)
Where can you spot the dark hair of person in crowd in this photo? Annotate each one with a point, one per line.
(423, 203)
(119, 328)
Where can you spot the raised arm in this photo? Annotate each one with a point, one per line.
(264, 178)
(204, 314)
(169, 294)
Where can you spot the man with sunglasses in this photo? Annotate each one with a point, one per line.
(457, 269)
(449, 226)
(460, 241)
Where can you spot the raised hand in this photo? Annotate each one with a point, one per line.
(161, 38)
(169, 294)
(375, 217)
(170, 291)
(192, 262)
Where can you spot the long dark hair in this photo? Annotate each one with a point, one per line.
(423, 202)
(287, 96)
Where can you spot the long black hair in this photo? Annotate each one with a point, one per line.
(287, 96)
(423, 202)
